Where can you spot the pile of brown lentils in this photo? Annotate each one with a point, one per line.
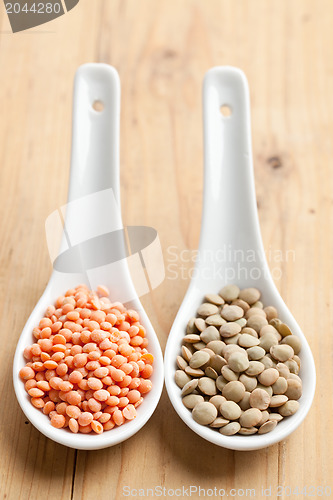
(239, 364)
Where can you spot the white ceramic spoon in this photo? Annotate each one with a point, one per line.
(230, 230)
(93, 192)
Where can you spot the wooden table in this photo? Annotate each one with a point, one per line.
(162, 50)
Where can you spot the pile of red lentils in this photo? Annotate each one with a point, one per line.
(89, 367)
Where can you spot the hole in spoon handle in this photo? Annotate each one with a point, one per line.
(229, 204)
(98, 106)
(226, 110)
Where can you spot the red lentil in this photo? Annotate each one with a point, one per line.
(88, 368)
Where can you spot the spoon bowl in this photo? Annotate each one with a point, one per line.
(230, 247)
(93, 210)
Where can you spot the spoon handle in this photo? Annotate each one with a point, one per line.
(230, 216)
(95, 136)
(93, 209)
(93, 206)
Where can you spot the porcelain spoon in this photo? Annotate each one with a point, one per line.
(231, 248)
(93, 209)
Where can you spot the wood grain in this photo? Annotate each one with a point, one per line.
(162, 50)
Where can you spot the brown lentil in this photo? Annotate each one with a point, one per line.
(239, 364)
